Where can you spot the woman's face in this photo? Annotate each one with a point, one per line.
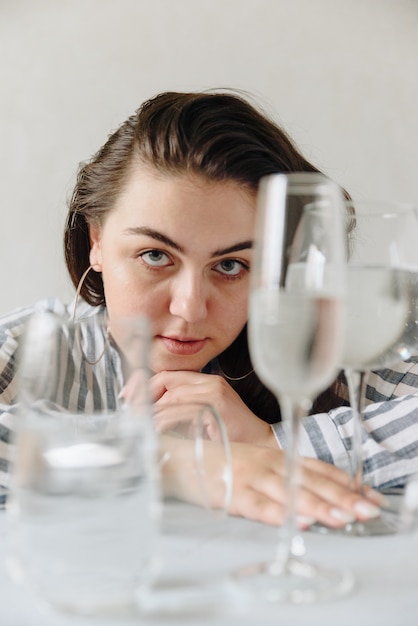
(177, 248)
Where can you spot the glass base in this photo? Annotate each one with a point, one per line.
(298, 582)
(189, 596)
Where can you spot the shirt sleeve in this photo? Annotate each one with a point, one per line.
(389, 429)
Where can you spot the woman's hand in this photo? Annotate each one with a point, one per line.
(171, 387)
(258, 470)
(259, 484)
(324, 494)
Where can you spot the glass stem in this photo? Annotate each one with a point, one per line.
(291, 544)
(356, 381)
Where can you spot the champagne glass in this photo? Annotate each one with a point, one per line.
(295, 338)
(83, 514)
(196, 492)
(381, 316)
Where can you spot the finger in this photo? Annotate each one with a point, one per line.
(163, 424)
(136, 388)
(187, 394)
(168, 416)
(309, 504)
(157, 387)
(330, 504)
(256, 506)
(326, 469)
(169, 381)
(318, 496)
(341, 477)
(329, 500)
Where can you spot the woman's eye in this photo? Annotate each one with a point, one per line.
(230, 267)
(155, 258)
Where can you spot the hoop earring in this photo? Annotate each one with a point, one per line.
(234, 378)
(77, 295)
(78, 290)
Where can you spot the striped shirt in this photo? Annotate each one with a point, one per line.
(389, 428)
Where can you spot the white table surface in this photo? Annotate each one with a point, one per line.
(386, 569)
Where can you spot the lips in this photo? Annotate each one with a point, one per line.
(182, 347)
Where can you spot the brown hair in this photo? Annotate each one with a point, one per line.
(217, 135)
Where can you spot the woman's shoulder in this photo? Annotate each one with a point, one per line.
(12, 326)
(13, 321)
(18, 317)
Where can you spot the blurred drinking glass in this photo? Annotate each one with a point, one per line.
(381, 316)
(84, 498)
(296, 328)
(197, 487)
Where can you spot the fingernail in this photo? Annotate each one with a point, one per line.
(303, 521)
(342, 516)
(365, 509)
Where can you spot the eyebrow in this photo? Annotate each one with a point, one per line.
(155, 234)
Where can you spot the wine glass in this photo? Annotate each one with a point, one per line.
(381, 314)
(295, 339)
(83, 515)
(196, 468)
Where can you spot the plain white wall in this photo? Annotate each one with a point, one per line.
(340, 75)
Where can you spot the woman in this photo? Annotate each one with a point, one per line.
(161, 223)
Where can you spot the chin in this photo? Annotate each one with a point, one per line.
(177, 364)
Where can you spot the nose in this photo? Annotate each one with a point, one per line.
(188, 297)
